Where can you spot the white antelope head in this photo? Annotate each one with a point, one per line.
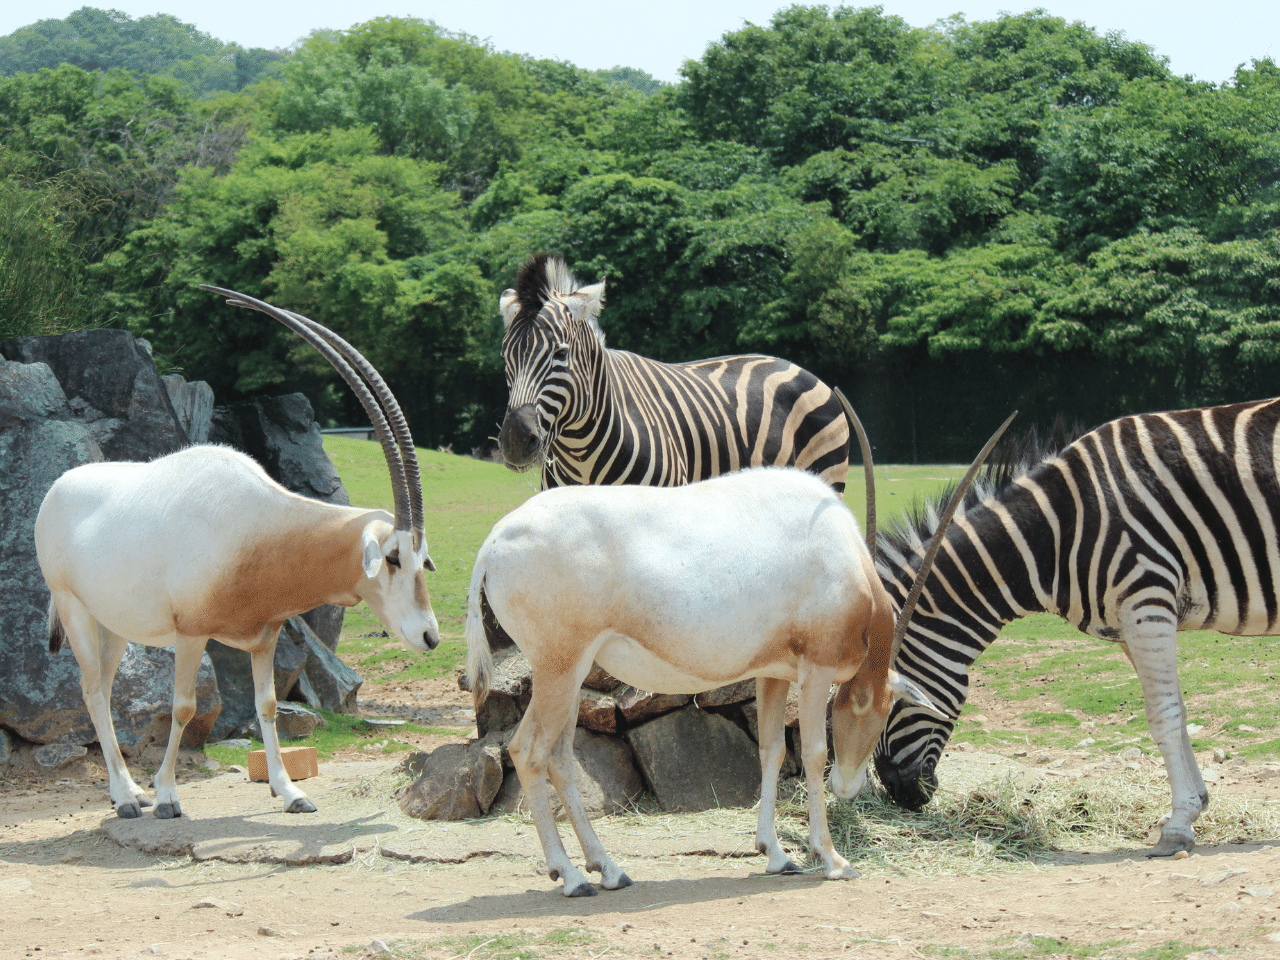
(392, 556)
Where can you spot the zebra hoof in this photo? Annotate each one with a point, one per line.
(301, 805)
(168, 811)
(128, 811)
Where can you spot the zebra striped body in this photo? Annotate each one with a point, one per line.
(1148, 525)
(592, 415)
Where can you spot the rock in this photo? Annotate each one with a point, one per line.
(118, 399)
(639, 706)
(281, 433)
(485, 763)
(6, 748)
(693, 760)
(293, 722)
(443, 789)
(325, 681)
(192, 405)
(599, 679)
(142, 700)
(510, 689)
(738, 692)
(235, 678)
(326, 622)
(54, 755)
(604, 770)
(597, 711)
(111, 386)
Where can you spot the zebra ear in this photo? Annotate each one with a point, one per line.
(585, 303)
(509, 304)
(904, 689)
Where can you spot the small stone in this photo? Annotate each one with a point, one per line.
(1086, 741)
(265, 931)
(229, 908)
(1181, 855)
(1220, 755)
(379, 949)
(54, 755)
(1193, 729)
(1130, 753)
(1216, 878)
(1245, 728)
(1259, 893)
(150, 880)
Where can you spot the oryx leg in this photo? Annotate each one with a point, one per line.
(186, 665)
(264, 689)
(815, 688)
(99, 652)
(1150, 639)
(551, 710)
(562, 772)
(771, 705)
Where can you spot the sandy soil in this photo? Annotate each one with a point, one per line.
(236, 878)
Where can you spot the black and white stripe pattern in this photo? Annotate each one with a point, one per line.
(591, 415)
(1143, 527)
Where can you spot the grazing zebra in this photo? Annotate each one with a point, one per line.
(592, 415)
(1147, 525)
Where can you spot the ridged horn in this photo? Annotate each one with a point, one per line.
(868, 470)
(337, 351)
(913, 595)
(395, 417)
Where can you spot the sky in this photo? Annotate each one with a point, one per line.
(657, 36)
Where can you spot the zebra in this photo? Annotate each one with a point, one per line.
(1145, 526)
(593, 415)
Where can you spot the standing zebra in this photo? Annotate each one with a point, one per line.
(1147, 525)
(593, 415)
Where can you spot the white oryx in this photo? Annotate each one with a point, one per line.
(758, 574)
(202, 543)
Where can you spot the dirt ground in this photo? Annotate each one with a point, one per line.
(237, 878)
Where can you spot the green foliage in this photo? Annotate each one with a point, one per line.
(100, 40)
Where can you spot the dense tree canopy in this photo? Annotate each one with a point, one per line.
(947, 222)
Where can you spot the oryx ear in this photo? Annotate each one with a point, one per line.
(372, 549)
(509, 304)
(904, 689)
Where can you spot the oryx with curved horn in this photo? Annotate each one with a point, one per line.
(203, 544)
(758, 574)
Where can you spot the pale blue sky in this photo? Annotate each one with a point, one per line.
(1203, 39)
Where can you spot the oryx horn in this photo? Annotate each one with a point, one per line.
(397, 444)
(909, 604)
(868, 470)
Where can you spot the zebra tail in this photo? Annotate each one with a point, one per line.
(479, 656)
(57, 635)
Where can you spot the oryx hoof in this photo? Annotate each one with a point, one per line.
(1171, 844)
(128, 811)
(143, 800)
(788, 867)
(622, 881)
(584, 889)
(847, 872)
(167, 811)
(301, 805)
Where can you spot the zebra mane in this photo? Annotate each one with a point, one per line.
(544, 275)
(1015, 455)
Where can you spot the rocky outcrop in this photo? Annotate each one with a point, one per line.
(690, 752)
(93, 395)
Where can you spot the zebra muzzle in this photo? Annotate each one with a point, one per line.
(520, 439)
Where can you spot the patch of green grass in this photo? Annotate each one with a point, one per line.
(343, 731)
(379, 659)
(462, 499)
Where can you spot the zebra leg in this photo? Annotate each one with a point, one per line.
(1150, 639)
(561, 770)
(771, 703)
(544, 723)
(815, 687)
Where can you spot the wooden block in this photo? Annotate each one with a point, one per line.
(299, 762)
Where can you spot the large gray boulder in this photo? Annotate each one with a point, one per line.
(694, 760)
(111, 386)
(192, 404)
(325, 682)
(41, 437)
